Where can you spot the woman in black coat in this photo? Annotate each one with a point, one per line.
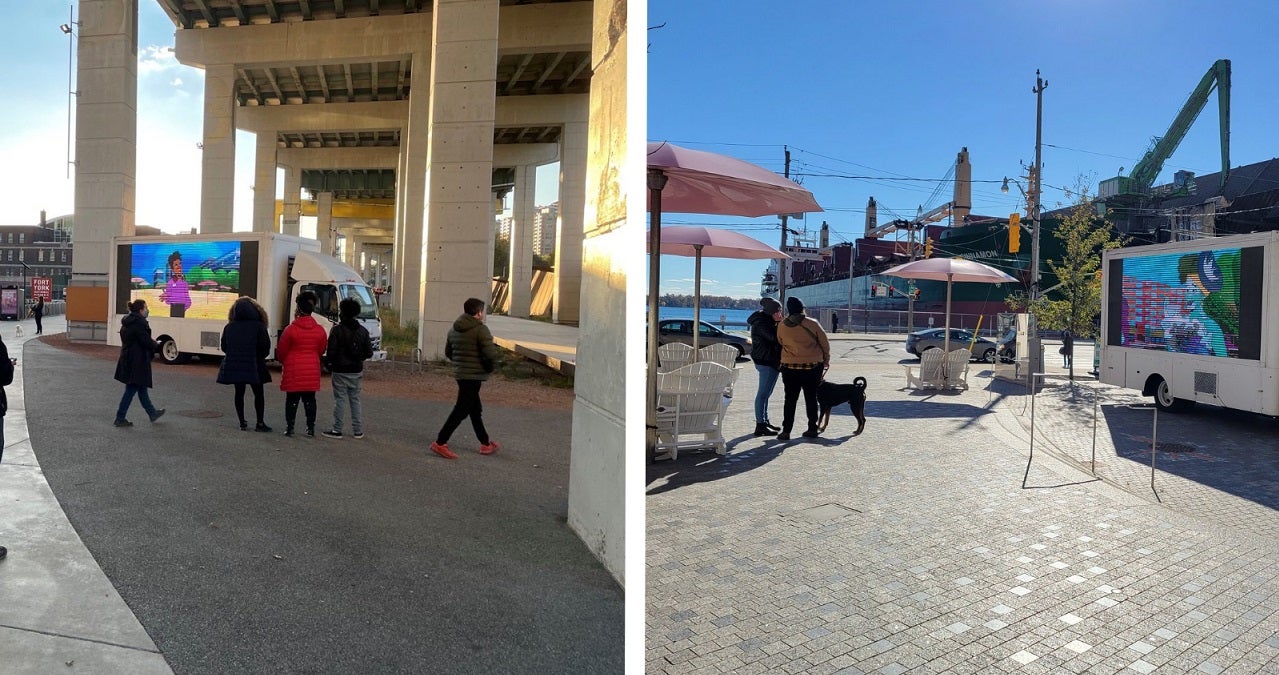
(246, 344)
(134, 366)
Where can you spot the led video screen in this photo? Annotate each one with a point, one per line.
(193, 280)
(1191, 303)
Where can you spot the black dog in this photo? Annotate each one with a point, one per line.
(830, 395)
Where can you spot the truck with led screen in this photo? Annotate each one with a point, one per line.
(1186, 322)
(189, 283)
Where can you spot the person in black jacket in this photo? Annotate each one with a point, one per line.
(246, 344)
(6, 376)
(37, 312)
(134, 366)
(349, 347)
(767, 355)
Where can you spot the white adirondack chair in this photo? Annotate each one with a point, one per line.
(956, 368)
(690, 409)
(673, 355)
(932, 374)
(724, 355)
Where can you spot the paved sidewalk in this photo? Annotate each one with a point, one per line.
(914, 547)
(58, 610)
(244, 552)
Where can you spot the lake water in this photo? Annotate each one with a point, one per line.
(732, 318)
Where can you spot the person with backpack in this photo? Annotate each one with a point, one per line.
(805, 358)
(299, 351)
(470, 347)
(349, 347)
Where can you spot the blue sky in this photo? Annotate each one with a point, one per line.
(33, 142)
(895, 89)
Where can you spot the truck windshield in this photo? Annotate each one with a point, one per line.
(361, 294)
(329, 296)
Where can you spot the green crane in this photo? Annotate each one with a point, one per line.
(1143, 175)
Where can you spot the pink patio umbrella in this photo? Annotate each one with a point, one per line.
(696, 241)
(693, 181)
(950, 270)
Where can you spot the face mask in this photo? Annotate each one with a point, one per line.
(146, 313)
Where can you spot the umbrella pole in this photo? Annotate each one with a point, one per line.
(656, 181)
(946, 342)
(697, 298)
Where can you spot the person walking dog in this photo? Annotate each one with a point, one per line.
(805, 358)
(470, 347)
(37, 313)
(349, 347)
(134, 365)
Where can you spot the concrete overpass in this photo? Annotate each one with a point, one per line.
(446, 86)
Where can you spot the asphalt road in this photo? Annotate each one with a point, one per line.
(248, 552)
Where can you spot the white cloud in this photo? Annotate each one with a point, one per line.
(156, 59)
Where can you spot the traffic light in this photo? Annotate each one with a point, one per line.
(1014, 233)
(928, 248)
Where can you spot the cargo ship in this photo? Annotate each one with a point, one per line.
(849, 276)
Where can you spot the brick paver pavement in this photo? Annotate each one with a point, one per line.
(915, 548)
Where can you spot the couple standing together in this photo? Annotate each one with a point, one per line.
(794, 347)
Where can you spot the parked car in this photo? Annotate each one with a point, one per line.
(1007, 346)
(681, 330)
(935, 338)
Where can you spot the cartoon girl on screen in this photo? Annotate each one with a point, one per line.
(176, 293)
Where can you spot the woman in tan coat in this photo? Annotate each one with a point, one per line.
(805, 358)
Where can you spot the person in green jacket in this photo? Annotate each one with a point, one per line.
(470, 347)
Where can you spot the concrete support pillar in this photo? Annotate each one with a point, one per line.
(568, 233)
(291, 218)
(324, 230)
(415, 143)
(598, 467)
(456, 253)
(520, 285)
(106, 156)
(264, 183)
(217, 176)
(397, 256)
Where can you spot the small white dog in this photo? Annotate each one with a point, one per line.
(19, 331)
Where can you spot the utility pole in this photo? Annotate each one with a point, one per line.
(1040, 85)
(781, 264)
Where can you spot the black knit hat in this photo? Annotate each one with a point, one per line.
(794, 305)
(770, 305)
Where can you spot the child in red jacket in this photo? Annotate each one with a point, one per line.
(299, 351)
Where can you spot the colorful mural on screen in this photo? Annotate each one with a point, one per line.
(1186, 303)
(187, 280)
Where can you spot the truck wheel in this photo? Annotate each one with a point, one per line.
(1165, 401)
(169, 352)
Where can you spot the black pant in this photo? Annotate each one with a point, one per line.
(468, 405)
(258, 401)
(39, 328)
(291, 408)
(794, 381)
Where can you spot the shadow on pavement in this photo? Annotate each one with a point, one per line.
(705, 466)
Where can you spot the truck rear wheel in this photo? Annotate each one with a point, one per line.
(1165, 401)
(169, 352)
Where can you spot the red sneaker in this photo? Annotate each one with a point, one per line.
(489, 448)
(442, 449)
